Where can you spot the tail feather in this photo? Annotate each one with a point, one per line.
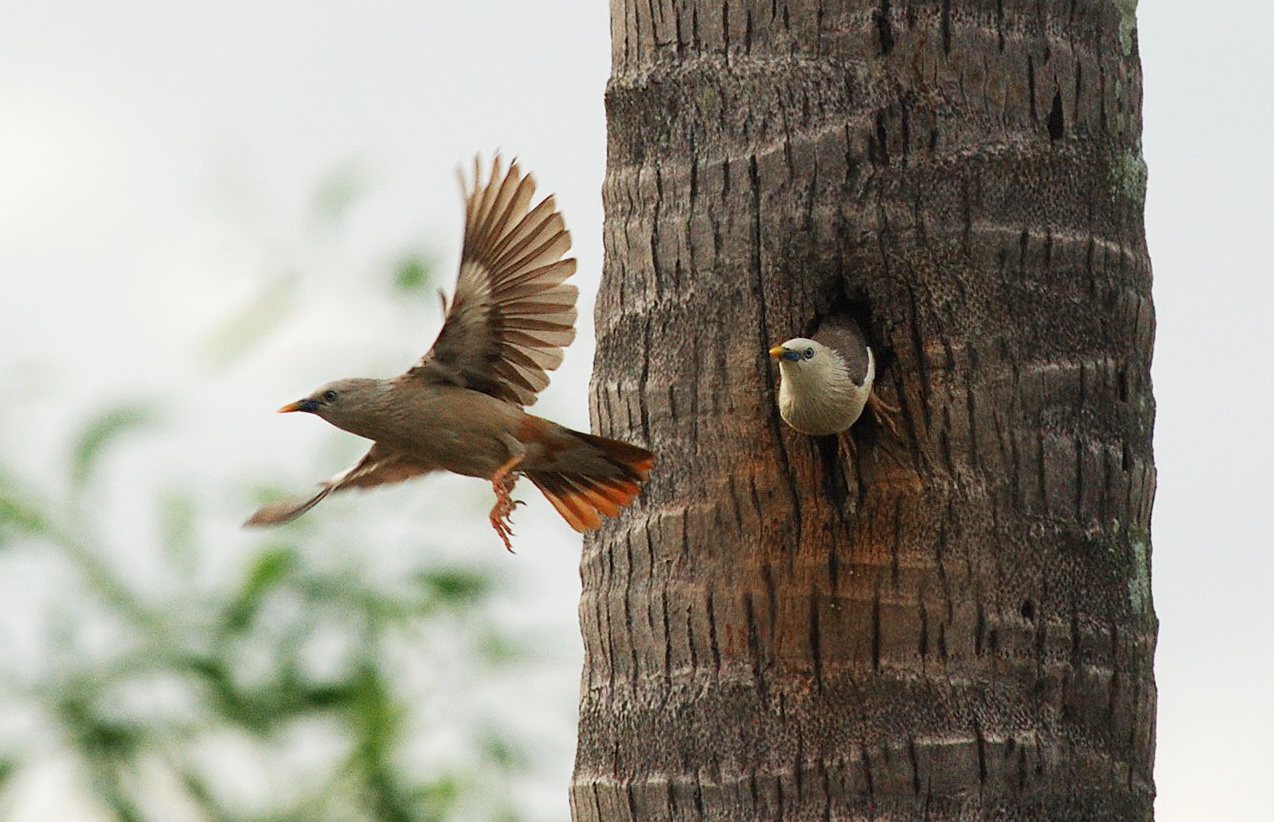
(587, 492)
(599, 476)
(569, 502)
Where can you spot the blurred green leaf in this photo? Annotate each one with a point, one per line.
(177, 521)
(8, 767)
(99, 735)
(109, 776)
(337, 696)
(437, 799)
(101, 432)
(339, 190)
(197, 787)
(19, 513)
(270, 568)
(296, 646)
(376, 720)
(498, 649)
(414, 273)
(376, 715)
(500, 752)
(256, 712)
(260, 315)
(454, 587)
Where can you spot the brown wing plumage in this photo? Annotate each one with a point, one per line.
(844, 335)
(513, 312)
(379, 466)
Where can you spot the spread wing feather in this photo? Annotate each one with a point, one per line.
(379, 466)
(513, 311)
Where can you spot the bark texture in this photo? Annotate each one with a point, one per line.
(959, 624)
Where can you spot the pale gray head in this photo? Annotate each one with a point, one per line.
(817, 394)
(344, 403)
(799, 350)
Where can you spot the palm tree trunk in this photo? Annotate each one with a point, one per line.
(958, 625)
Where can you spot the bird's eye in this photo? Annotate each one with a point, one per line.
(809, 353)
(329, 395)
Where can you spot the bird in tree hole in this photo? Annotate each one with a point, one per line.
(826, 382)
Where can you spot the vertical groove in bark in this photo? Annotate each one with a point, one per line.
(959, 625)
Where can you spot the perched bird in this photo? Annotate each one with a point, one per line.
(826, 382)
(460, 407)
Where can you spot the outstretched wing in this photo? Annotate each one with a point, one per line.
(379, 466)
(513, 312)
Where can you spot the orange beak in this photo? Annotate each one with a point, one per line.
(293, 406)
(778, 352)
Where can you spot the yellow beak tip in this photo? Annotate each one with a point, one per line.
(776, 351)
(290, 407)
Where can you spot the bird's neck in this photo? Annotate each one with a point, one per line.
(827, 379)
(372, 414)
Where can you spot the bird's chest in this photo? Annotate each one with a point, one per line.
(455, 430)
(819, 407)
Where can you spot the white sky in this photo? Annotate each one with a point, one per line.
(156, 158)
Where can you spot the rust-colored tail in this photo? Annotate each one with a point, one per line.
(596, 476)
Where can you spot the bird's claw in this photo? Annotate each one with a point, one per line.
(501, 514)
(502, 483)
(883, 413)
(503, 528)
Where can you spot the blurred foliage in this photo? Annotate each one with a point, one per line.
(273, 302)
(413, 273)
(198, 664)
(100, 432)
(338, 191)
(274, 299)
(288, 687)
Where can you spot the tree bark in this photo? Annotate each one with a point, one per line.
(957, 624)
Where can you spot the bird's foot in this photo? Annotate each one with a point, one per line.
(502, 523)
(883, 413)
(502, 481)
(849, 467)
(846, 440)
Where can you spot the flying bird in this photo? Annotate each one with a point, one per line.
(826, 382)
(460, 408)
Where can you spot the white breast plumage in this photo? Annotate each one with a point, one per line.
(816, 394)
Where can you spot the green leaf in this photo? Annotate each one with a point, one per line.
(503, 752)
(177, 515)
(338, 191)
(272, 566)
(8, 767)
(95, 734)
(100, 433)
(255, 711)
(198, 789)
(455, 587)
(413, 273)
(376, 715)
(340, 695)
(272, 304)
(497, 649)
(19, 513)
(436, 800)
(507, 815)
